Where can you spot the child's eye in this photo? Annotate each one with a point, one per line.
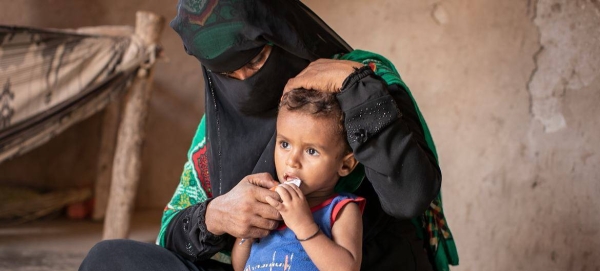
(312, 152)
(284, 145)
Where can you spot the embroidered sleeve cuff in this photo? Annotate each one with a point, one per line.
(368, 107)
(206, 236)
(189, 236)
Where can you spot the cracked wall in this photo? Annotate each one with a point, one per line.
(510, 90)
(567, 59)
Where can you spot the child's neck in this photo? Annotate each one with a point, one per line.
(317, 197)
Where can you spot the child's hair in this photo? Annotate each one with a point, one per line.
(318, 104)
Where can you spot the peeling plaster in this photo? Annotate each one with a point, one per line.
(439, 14)
(568, 58)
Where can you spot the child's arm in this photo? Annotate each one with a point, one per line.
(240, 253)
(344, 252)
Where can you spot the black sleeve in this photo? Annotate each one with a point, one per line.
(187, 235)
(386, 136)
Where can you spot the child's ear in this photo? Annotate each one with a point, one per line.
(348, 165)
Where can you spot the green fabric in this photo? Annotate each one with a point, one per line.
(432, 225)
(213, 28)
(189, 191)
(216, 39)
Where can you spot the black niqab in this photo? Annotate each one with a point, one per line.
(241, 114)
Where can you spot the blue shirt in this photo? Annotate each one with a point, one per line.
(280, 250)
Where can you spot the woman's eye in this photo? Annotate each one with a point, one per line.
(254, 63)
(312, 152)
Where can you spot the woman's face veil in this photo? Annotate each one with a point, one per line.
(226, 34)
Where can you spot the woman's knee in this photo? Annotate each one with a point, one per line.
(105, 255)
(107, 247)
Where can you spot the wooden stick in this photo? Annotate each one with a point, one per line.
(110, 127)
(127, 162)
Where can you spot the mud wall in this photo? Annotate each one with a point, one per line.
(508, 88)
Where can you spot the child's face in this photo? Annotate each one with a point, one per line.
(309, 148)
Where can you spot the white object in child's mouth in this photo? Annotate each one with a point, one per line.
(294, 181)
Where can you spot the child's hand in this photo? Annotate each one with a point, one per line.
(294, 209)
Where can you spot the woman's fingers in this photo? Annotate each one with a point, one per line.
(274, 203)
(243, 209)
(264, 180)
(323, 75)
(255, 232)
(265, 211)
(255, 220)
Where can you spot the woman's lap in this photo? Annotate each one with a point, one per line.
(121, 254)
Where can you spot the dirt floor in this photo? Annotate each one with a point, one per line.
(61, 244)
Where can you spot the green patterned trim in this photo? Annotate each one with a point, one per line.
(189, 191)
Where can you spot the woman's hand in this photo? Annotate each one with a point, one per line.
(294, 209)
(323, 75)
(243, 211)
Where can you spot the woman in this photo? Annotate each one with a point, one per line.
(249, 50)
